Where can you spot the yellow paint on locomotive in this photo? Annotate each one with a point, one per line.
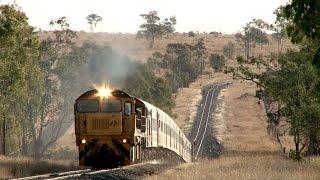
(112, 130)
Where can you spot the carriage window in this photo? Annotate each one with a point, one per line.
(127, 108)
(111, 105)
(87, 106)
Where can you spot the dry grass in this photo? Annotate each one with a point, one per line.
(250, 153)
(244, 166)
(245, 120)
(19, 167)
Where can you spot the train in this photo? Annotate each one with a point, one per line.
(114, 129)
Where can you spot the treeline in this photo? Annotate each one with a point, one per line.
(289, 82)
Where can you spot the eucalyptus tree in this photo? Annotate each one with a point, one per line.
(20, 75)
(252, 33)
(200, 54)
(302, 20)
(303, 25)
(290, 83)
(155, 28)
(93, 20)
(60, 59)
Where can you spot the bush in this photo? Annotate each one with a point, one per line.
(294, 155)
(191, 34)
(217, 62)
(215, 33)
(228, 49)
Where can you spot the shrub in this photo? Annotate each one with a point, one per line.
(228, 49)
(191, 34)
(217, 62)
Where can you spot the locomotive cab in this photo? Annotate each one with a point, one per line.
(108, 129)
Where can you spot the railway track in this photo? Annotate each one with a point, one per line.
(55, 175)
(125, 172)
(204, 143)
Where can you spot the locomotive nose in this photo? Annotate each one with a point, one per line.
(104, 124)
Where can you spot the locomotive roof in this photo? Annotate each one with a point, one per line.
(92, 92)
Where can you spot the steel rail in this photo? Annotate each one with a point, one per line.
(46, 176)
(205, 129)
(204, 107)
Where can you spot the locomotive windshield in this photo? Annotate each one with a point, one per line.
(111, 105)
(87, 106)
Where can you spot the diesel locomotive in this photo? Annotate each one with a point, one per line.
(114, 129)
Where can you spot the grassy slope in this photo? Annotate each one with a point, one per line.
(250, 153)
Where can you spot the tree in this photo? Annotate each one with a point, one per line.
(228, 50)
(20, 74)
(294, 86)
(200, 53)
(180, 64)
(93, 20)
(252, 33)
(151, 88)
(290, 83)
(217, 62)
(279, 30)
(59, 60)
(303, 25)
(303, 18)
(153, 28)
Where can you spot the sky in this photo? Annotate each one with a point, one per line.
(226, 16)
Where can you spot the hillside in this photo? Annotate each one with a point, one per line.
(187, 99)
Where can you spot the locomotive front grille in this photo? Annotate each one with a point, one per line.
(104, 124)
(100, 124)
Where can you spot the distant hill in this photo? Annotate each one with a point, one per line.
(137, 49)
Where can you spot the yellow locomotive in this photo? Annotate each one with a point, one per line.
(113, 129)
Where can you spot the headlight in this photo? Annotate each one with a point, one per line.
(83, 141)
